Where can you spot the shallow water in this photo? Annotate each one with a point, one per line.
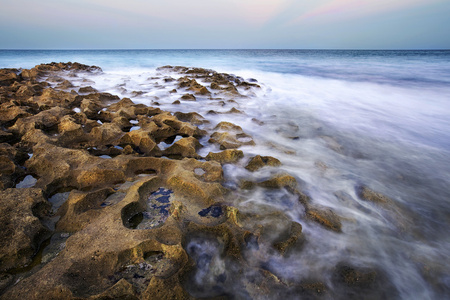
(336, 120)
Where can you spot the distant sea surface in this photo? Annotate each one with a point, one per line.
(337, 119)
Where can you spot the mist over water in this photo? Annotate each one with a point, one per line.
(337, 120)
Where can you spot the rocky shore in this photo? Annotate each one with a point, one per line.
(102, 198)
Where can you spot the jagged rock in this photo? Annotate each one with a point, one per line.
(8, 76)
(66, 84)
(228, 156)
(367, 194)
(91, 107)
(22, 232)
(279, 181)
(258, 162)
(9, 113)
(80, 208)
(186, 147)
(192, 117)
(107, 133)
(51, 98)
(25, 91)
(324, 216)
(46, 120)
(6, 137)
(227, 126)
(87, 90)
(139, 139)
(188, 97)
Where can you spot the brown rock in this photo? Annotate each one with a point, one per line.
(188, 97)
(192, 117)
(228, 156)
(186, 147)
(105, 134)
(325, 217)
(8, 76)
(279, 181)
(258, 162)
(369, 195)
(87, 90)
(22, 232)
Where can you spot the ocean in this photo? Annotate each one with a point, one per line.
(337, 120)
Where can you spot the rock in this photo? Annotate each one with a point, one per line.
(46, 120)
(9, 113)
(107, 133)
(87, 90)
(176, 102)
(234, 111)
(215, 86)
(22, 232)
(279, 181)
(228, 156)
(230, 140)
(188, 97)
(8, 76)
(369, 195)
(80, 208)
(140, 140)
(257, 162)
(66, 84)
(325, 217)
(227, 126)
(192, 117)
(52, 98)
(351, 282)
(186, 147)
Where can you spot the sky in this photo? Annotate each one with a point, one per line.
(225, 24)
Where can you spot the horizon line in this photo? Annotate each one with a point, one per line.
(215, 49)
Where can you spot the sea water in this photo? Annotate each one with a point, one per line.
(336, 120)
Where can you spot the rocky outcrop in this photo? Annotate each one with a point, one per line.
(123, 206)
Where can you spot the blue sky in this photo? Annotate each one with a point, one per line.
(212, 24)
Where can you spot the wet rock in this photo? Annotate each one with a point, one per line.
(354, 281)
(192, 117)
(22, 232)
(121, 290)
(87, 90)
(230, 140)
(46, 120)
(188, 97)
(257, 162)
(367, 194)
(186, 147)
(8, 76)
(66, 84)
(228, 156)
(227, 126)
(6, 137)
(9, 113)
(234, 111)
(325, 217)
(51, 98)
(279, 181)
(105, 134)
(139, 140)
(80, 208)
(293, 234)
